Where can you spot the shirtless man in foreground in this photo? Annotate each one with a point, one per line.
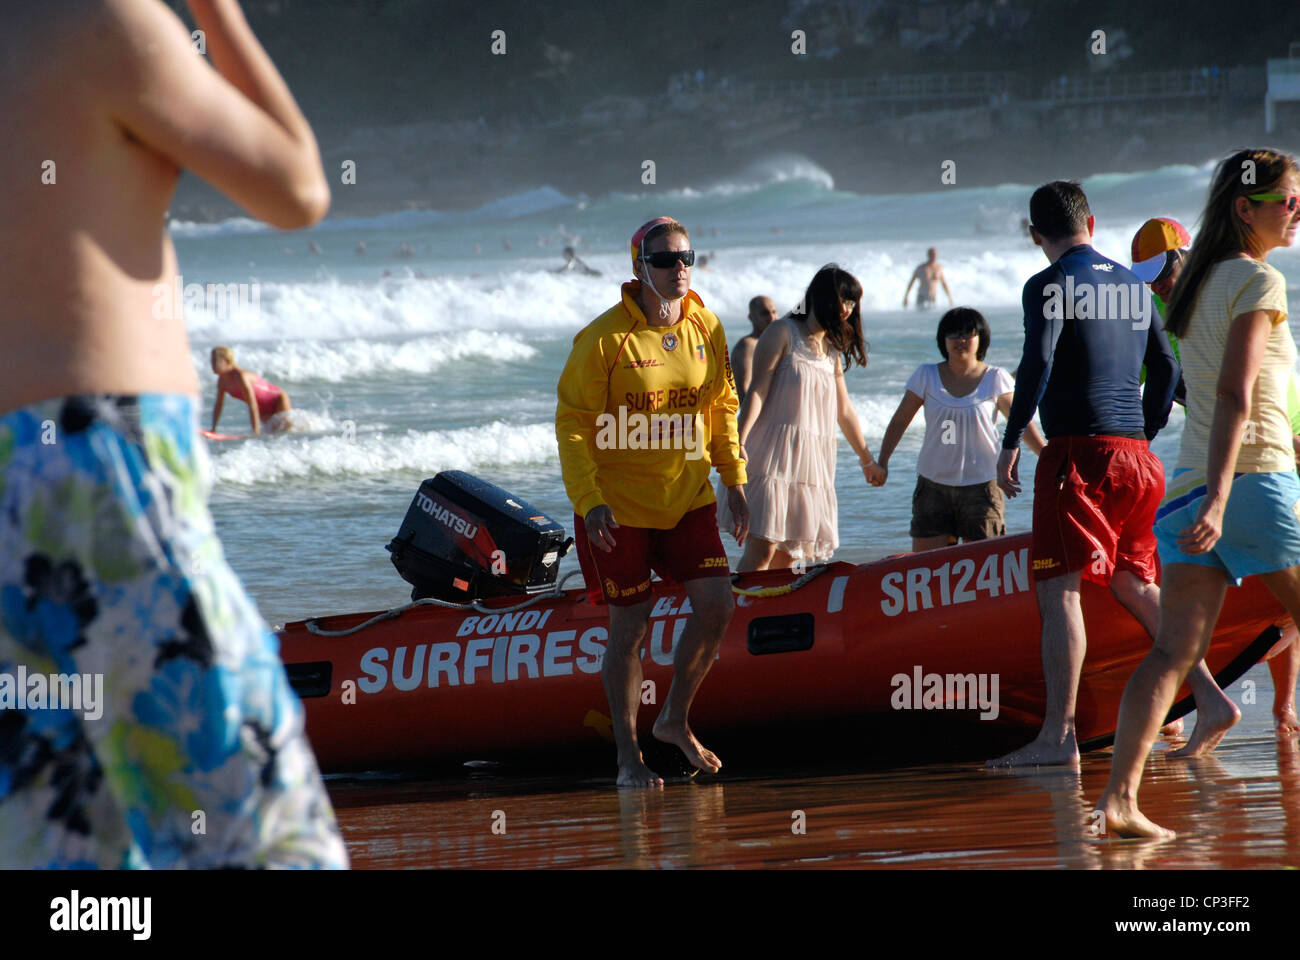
(930, 276)
(105, 101)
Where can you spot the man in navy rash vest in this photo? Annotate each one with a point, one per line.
(1089, 326)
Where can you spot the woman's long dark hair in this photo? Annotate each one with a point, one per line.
(830, 287)
(1223, 234)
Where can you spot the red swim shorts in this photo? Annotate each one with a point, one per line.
(1095, 501)
(689, 551)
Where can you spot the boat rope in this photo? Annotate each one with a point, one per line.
(557, 591)
(813, 573)
(313, 626)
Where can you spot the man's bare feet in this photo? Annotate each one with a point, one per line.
(634, 773)
(1126, 820)
(1288, 727)
(680, 736)
(1041, 753)
(1173, 728)
(1212, 722)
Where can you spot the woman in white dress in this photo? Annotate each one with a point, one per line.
(956, 494)
(788, 425)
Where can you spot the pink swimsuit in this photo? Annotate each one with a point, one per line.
(267, 395)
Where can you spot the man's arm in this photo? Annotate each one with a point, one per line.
(944, 281)
(742, 362)
(237, 127)
(724, 442)
(769, 350)
(906, 293)
(1162, 377)
(1041, 334)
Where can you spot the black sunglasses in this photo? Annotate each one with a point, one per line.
(666, 259)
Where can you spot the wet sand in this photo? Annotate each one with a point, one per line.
(1240, 808)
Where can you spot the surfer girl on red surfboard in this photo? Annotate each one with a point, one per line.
(243, 384)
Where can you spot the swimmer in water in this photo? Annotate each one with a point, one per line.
(573, 264)
(241, 384)
(930, 276)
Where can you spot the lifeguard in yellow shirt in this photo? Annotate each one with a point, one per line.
(647, 405)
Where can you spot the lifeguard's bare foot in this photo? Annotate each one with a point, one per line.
(1040, 753)
(1172, 729)
(635, 774)
(1211, 724)
(1288, 727)
(681, 737)
(1126, 820)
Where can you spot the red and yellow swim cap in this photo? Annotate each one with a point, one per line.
(638, 238)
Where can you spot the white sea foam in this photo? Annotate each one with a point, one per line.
(280, 457)
(519, 301)
(334, 361)
(534, 302)
(224, 228)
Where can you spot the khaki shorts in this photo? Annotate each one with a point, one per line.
(972, 512)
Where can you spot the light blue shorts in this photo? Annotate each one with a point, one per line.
(1261, 529)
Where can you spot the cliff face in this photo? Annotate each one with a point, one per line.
(582, 95)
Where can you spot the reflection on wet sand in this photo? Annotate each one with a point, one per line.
(1237, 808)
(1240, 808)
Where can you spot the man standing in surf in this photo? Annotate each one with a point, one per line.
(109, 563)
(1089, 326)
(930, 276)
(762, 311)
(646, 404)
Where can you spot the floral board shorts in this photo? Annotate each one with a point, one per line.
(146, 719)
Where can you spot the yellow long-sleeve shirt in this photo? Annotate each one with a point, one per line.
(644, 412)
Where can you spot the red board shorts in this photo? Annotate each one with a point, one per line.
(689, 551)
(1095, 501)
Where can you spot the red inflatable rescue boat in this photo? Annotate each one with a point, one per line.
(942, 644)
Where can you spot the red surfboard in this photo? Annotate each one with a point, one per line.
(223, 436)
(938, 647)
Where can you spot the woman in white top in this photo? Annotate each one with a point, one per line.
(788, 426)
(957, 496)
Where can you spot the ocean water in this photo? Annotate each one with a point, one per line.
(451, 360)
(402, 361)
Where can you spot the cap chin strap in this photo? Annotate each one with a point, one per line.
(665, 308)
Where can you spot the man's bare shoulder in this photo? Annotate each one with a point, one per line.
(102, 44)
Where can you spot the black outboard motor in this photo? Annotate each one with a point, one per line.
(465, 539)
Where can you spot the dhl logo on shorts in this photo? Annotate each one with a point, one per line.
(713, 562)
(1046, 564)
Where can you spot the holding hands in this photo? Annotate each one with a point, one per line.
(875, 473)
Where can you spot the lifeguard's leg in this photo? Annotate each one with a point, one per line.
(1064, 644)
